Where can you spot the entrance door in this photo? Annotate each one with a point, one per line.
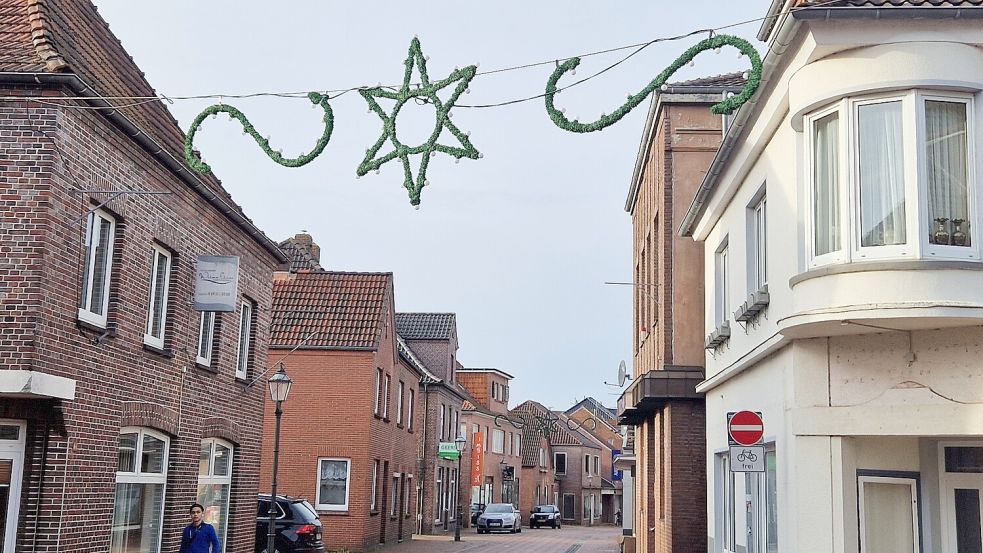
(11, 473)
(962, 494)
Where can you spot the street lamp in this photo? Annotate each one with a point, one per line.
(590, 486)
(279, 388)
(459, 443)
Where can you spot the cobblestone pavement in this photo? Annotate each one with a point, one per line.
(569, 539)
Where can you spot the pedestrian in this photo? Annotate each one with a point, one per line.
(199, 536)
(617, 517)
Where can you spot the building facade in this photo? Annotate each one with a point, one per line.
(538, 484)
(350, 428)
(120, 405)
(840, 247)
(431, 339)
(601, 426)
(680, 138)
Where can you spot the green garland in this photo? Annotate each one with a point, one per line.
(426, 92)
(726, 106)
(200, 166)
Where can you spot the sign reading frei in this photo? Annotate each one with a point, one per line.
(448, 450)
(477, 458)
(216, 283)
(745, 428)
(747, 459)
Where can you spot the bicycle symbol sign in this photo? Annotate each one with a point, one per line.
(747, 458)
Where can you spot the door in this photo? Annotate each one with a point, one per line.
(12, 438)
(888, 508)
(961, 468)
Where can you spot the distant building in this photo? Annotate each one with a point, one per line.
(120, 405)
(538, 484)
(599, 424)
(432, 339)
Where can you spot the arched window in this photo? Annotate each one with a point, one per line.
(215, 483)
(141, 474)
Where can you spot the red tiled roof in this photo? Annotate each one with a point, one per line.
(890, 3)
(69, 36)
(345, 310)
(735, 80)
(561, 432)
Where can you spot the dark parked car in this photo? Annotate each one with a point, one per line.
(476, 510)
(544, 515)
(298, 528)
(499, 516)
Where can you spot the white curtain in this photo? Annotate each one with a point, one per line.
(826, 205)
(882, 201)
(947, 161)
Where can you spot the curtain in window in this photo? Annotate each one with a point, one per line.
(334, 482)
(826, 204)
(948, 172)
(882, 202)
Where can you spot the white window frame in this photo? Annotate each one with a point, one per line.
(498, 441)
(556, 455)
(911, 482)
(375, 485)
(400, 388)
(244, 339)
(725, 514)
(542, 457)
(212, 478)
(206, 336)
(385, 400)
(721, 283)
(317, 485)
(148, 337)
(394, 499)
(409, 409)
(443, 425)
(597, 465)
(378, 391)
(137, 476)
(13, 452)
(758, 242)
(948, 482)
(918, 226)
(85, 312)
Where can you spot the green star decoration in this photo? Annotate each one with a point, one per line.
(425, 92)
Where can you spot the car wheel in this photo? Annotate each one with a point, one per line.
(553, 525)
(518, 527)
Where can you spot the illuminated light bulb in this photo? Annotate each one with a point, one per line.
(573, 71)
(716, 50)
(377, 171)
(664, 86)
(426, 58)
(417, 207)
(467, 91)
(740, 54)
(433, 153)
(426, 182)
(457, 160)
(692, 63)
(480, 155)
(745, 75)
(563, 110)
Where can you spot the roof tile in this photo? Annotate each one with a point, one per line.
(426, 326)
(300, 256)
(342, 310)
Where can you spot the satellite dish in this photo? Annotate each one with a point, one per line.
(623, 373)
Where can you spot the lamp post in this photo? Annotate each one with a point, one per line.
(279, 388)
(590, 486)
(459, 443)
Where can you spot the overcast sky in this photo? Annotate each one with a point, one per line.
(518, 243)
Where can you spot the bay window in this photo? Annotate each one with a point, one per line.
(890, 177)
(138, 509)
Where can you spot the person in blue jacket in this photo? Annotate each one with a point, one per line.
(199, 537)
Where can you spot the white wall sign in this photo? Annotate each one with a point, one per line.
(747, 458)
(216, 283)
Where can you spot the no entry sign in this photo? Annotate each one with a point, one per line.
(745, 428)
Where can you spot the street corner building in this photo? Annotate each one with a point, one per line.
(843, 303)
(350, 434)
(665, 498)
(120, 403)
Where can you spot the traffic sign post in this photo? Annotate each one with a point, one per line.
(745, 430)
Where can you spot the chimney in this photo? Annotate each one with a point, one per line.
(308, 242)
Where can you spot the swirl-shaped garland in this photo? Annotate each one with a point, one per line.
(726, 106)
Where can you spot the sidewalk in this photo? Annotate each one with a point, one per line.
(571, 539)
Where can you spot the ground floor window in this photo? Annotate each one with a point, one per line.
(724, 493)
(141, 474)
(439, 499)
(215, 484)
(332, 484)
(888, 509)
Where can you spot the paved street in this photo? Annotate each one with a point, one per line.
(569, 539)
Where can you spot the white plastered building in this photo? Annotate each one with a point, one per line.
(844, 284)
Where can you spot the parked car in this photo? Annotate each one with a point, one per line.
(298, 528)
(544, 515)
(499, 516)
(476, 509)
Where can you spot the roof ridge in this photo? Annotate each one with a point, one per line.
(41, 36)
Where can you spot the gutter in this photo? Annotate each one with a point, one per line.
(78, 86)
(774, 56)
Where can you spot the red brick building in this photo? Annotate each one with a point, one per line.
(351, 425)
(679, 142)
(538, 484)
(600, 424)
(431, 340)
(119, 404)
(485, 414)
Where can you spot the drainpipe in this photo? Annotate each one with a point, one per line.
(423, 451)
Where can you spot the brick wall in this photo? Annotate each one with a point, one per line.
(71, 456)
(330, 413)
(438, 396)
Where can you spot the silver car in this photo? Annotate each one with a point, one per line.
(499, 516)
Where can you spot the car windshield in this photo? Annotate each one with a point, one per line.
(544, 509)
(499, 508)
